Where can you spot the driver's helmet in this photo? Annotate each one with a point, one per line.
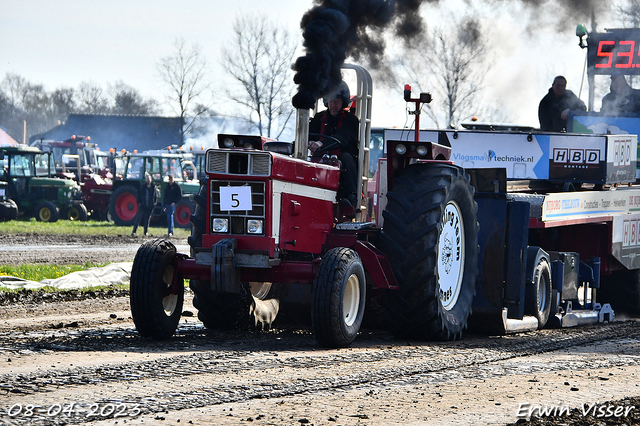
(341, 91)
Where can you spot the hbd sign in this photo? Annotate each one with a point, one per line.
(630, 233)
(576, 156)
(622, 153)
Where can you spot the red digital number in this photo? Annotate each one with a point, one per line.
(605, 54)
(629, 54)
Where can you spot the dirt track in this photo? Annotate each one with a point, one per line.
(87, 353)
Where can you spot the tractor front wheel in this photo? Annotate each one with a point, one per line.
(339, 293)
(157, 290)
(47, 212)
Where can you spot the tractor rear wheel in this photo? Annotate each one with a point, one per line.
(430, 237)
(182, 215)
(157, 290)
(46, 211)
(339, 293)
(77, 212)
(123, 205)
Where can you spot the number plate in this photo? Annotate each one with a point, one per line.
(235, 198)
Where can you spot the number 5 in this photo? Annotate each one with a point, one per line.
(235, 202)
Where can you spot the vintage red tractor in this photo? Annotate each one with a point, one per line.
(268, 233)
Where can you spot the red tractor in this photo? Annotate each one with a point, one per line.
(268, 232)
(265, 227)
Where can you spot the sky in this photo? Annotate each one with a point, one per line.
(65, 42)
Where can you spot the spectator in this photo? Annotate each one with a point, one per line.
(146, 200)
(555, 106)
(172, 195)
(622, 99)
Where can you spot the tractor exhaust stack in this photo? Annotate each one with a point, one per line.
(302, 133)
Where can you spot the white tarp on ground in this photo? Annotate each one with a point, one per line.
(114, 273)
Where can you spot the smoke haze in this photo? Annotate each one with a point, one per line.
(335, 30)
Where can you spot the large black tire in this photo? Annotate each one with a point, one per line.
(198, 219)
(537, 299)
(156, 300)
(123, 205)
(339, 293)
(46, 211)
(430, 237)
(77, 212)
(8, 210)
(622, 291)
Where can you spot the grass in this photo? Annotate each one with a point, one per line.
(39, 272)
(91, 227)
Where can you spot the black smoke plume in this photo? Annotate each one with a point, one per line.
(335, 29)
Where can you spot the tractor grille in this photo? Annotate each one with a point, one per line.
(238, 219)
(238, 163)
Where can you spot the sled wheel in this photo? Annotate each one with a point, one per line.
(123, 205)
(157, 290)
(77, 212)
(430, 237)
(538, 293)
(47, 212)
(339, 292)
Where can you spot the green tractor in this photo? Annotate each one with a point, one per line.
(30, 183)
(123, 205)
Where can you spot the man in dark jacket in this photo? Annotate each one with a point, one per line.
(622, 99)
(146, 200)
(555, 106)
(172, 195)
(343, 125)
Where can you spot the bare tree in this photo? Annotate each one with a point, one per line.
(259, 62)
(184, 72)
(628, 13)
(91, 99)
(450, 63)
(24, 101)
(128, 100)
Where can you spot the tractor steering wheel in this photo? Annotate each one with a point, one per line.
(335, 143)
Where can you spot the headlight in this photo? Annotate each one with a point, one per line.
(248, 145)
(228, 142)
(220, 225)
(401, 149)
(254, 226)
(421, 150)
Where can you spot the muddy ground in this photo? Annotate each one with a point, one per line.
(78, 360)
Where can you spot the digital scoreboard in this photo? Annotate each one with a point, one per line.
(614, 50)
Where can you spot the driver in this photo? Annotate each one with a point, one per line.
(339, 122)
